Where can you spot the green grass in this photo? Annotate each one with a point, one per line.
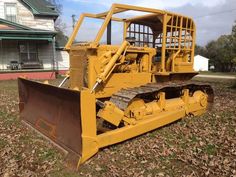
(47, 154)
(64, 173)
(3, 143)
(218, 73)
(234, 85)
(8, 119)
(210, 149)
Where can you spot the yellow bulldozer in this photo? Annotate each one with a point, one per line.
(117, 92)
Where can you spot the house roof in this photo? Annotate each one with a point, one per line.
(11, 30)
(41, 7)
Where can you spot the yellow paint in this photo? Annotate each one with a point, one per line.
(111, 113)
(110, 68)
(98, 71)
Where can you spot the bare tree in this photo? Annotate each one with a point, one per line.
(59, 24)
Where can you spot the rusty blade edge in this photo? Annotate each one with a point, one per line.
(66, 152)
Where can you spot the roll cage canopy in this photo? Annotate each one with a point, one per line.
(167, 27)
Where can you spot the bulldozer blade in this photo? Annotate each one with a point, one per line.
(54, 112)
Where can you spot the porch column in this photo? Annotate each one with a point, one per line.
(1, 55)
(54, 58)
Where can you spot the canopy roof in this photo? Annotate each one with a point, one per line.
(153, 19)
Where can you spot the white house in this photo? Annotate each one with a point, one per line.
(201, 63)
(27, 37)
(63, 60)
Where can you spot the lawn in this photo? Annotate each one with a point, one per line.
(194, 146)
(218, 73)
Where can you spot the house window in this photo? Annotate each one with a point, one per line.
(28, 52)
(10, 12)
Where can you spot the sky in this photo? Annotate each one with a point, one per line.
(213, 18)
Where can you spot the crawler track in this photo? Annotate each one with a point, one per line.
(147, 92)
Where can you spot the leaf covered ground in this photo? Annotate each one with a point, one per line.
(194, 146)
